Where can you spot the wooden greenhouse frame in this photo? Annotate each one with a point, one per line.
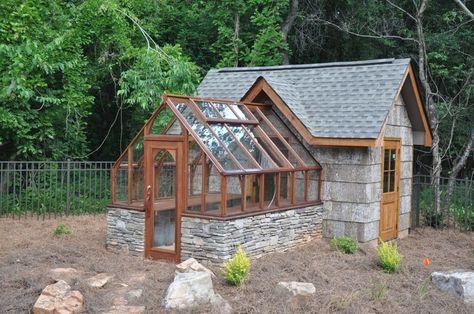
(212, 158)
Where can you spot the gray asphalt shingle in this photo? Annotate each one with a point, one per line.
(338, 100)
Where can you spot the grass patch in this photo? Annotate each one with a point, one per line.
(344, 244)
(390, 258)
(424, 288)
(378, 291)
(62, 229)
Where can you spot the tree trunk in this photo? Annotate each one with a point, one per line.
(459, 164)
(430, 106)
(236, 36)
(288, 25)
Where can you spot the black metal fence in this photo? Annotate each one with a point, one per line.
(456, 203)
(46, 188)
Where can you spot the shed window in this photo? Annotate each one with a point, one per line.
(239, 159)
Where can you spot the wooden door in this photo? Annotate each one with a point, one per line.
(164, 169)
(389, 211)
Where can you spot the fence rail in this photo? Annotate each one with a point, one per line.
(456, 209)
(54, 187)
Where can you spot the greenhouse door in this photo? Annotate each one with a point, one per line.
(164, 199)
(390, 189)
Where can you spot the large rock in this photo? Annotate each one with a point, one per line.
(191, 289)
(192, 265)
(99, 280)
(457, 283)
(295, 293)
(58, 298)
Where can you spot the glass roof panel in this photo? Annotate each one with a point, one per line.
(207, 137)
(225, 111)
(207, 109)
(249, 142)
(229, 141)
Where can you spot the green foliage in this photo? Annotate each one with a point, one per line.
(236, 270)
(62, 229)
(344, 244)
(389, 258)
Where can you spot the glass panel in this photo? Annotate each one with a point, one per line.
(162, 120)
(313, 185)
(175, 128)
(299, 186)
(234, 194)
(285, 188)
(392, 181)
(385, 181)
(226, 137)
(195, 158)
(164, 219)
(253, 191)
(393, 158)
(269, 190)
(290, 138)
(121, 181)
(137, 172)
(275, 154)
(212, 189)
(207, 109)
(225, 111)
(209, 140)
(241, 112)
(386, 159)
(249, 142)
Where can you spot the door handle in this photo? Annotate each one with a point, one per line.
(148, 206)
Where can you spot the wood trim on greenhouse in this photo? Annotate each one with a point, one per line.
(235, 160)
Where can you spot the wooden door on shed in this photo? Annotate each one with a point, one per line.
(389, 211)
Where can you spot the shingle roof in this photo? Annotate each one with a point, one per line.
(337, 100)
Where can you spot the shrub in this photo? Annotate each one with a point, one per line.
(389, 257)
(62, 229)
(237, 269)
(344, 244)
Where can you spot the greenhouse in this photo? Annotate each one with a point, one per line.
(209, 158)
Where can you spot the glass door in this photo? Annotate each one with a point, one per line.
(163, 199)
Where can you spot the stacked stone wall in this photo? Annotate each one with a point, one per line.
(215, 240)
(126, 231)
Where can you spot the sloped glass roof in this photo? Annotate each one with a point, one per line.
(238, 138)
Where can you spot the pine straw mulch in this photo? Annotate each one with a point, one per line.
(344, 283)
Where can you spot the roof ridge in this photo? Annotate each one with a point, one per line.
(311, 66)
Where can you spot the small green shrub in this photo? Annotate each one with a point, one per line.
(62, 229)
(389, 258)
(344, 244)
(236, 270)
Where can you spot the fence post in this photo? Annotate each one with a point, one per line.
(68, 179)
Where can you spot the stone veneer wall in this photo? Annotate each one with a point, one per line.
(399, 125)
(215, 240)
(126, 231)
(351, 191)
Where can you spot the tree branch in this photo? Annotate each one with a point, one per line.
(465, 9)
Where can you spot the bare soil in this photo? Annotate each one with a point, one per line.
(344, 283)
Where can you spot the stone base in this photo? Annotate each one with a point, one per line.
(362, 232)
(126, 231)
(403, 234)
(215, 240)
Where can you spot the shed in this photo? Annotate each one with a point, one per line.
(241, 163)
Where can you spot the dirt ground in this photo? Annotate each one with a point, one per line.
(344, 283)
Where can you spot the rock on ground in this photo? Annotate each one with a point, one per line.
(295, 293)
(191, 289)
(192, 265)
(458, 283)
(58, 298)
(99, 280)
(126, 309)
